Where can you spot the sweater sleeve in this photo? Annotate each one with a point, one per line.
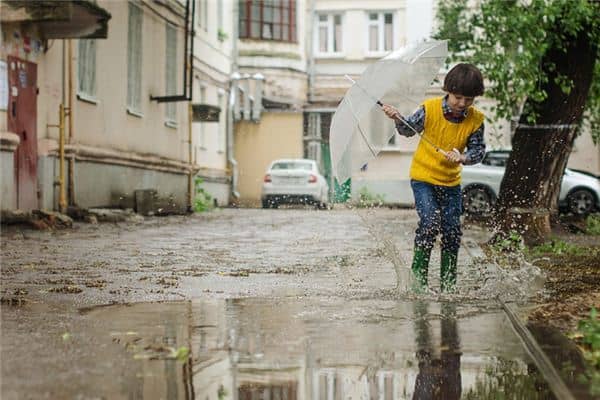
(416, 121)
(475, 147)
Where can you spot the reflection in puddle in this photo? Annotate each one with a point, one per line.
(253, 349)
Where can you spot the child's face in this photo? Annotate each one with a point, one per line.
(459, 103)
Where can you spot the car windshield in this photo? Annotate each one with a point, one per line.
(292, 165)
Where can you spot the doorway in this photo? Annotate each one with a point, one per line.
(22, 120)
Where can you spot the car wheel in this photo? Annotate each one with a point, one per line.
(477, 201)
(265, 203)
(581, 202)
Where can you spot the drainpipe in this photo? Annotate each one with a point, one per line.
(233, 88)
(62, 201)
(311, 57)
(71, 166)
(190, 196)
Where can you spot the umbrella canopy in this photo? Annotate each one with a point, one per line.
(359, 129)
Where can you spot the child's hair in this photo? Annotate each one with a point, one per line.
(464, 79)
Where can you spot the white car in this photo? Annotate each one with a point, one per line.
(295, 181)
(579, 192)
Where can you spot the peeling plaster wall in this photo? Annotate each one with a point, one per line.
(278, 135)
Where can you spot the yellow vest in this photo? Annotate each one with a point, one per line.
(427, 164)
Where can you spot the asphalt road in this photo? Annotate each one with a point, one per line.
(61, 338)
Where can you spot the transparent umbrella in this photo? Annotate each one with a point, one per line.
(359, 129)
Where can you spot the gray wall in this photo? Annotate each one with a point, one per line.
(218, 190)
(106, 185)
(8, 200)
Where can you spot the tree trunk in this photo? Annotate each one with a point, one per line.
(540, 151)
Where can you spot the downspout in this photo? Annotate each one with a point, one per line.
(62, 202)
(310, 44)
(233, 88)
(190, 74)
(71, 165)
(190, 196)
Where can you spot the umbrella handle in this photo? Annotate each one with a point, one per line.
(380, 104)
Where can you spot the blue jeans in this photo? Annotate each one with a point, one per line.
(439, 209)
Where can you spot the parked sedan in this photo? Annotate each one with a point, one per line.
(579, 192)
(294, 181)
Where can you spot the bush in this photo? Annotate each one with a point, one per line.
(558, 247)
(592, 224)
(203, 201)
(589, 334)
(368, 199)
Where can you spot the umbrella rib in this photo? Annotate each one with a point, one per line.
(359, 128)
(437, 149)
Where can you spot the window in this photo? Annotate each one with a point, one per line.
(222, 120)
(329, 33)
(306, 166)
(203, 14)
(326, 385)
(268, 19)
(202, 128)
(171, 72)
(134, 60)
(380, 31)
(385, 385)
(86, 68)
(220, 31)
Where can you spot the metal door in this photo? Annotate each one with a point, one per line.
(22, 120)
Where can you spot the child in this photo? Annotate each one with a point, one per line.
(452, 124)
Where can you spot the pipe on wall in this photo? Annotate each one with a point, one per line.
(233, 88)
(71, 163)
(62, 200)
(230, 156)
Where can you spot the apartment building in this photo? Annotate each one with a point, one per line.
(126, 125)
(34, 40)
(214, 63)
(272, 63)
(347, 36)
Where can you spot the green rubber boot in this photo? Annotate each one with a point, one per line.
(420, 266)
(448, 271)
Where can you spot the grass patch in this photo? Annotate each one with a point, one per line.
(203, 201)
(559, 248)
(588, 337)
(367, 199)
(592, 224)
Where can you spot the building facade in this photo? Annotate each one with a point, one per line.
(213, 65)
(271, 57)
(120, 143)
(140, 119)
(347, 36)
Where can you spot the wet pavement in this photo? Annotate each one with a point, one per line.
(253, 304)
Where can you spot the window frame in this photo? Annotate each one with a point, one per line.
(203, 94)
(221, 100)
(330, 25)
(202, 15)
(380, 23)
(170, 74)
(87, 59)
(134, 95)
(245, 16)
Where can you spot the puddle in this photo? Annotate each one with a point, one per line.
(294, 349)
(567, 358)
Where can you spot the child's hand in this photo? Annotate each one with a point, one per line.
(391, 112)
(455, 156)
